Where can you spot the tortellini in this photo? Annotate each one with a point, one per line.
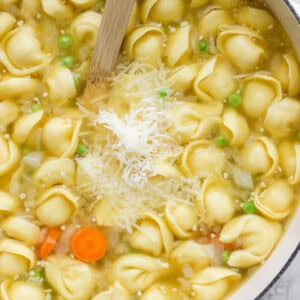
(115, 292)
(72, 279)
(164, 11)
(25, 60)
(282, 117)
(26, 127)
(163, 291)
(202, 158)
(289, 154)
(256, 18)
(242, 46)
(10, 154)
(21, 229)
(7, 23)
(152, 236)
(59, 200)
(56, 171)
(191, 121)
(7, 203)
(285, 68)
(236, 127)
(60, 86)
(136, 272)
(83, 3)
(29, 8)
(275, 200)
(15, 257)
(179, 46)
(145, 44)
(11, 87)
(216, 204)
(103, 212)
(260, 157)
(259, 92)
(182, 78)
(215, 80)
(198, 3)
(258, 236)
(191, 253)
(181, 219)
(57, 9)
(213, 282)
(227, 3)
(85, 27)
(15, 290)
(61, 135)
(209, 24)
(9, 112)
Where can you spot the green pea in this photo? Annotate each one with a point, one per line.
(235, 100)
(81, 149)
(221, 141)
(36, 276)
(225, 256)
(67, 61)
(298, 135)
(249, 207)
(164, 93)
(203, 46)
(65, 41)
(35, 107)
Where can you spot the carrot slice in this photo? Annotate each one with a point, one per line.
(49, 243)
(88, 244)
(218, 244)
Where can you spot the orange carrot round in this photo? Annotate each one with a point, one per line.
(88, 244)
(218, 244)
(49, 243)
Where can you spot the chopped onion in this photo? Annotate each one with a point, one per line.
(33, 159)
(242, 178)
(62, 246)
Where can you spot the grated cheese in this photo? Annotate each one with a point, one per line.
(123, 167)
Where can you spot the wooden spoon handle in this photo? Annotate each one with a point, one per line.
(112, 30)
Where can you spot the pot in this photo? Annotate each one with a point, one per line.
(288, 13)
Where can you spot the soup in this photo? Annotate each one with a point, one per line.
(181, 183)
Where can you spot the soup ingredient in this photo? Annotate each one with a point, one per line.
(49, 243)
(215, 241)
(164, 93)
(249, 207)
(203, 46)
(225, 255)
(221, 141)
(234, 100)
(89, 244)
(81, 149)
(36, 275)
(67, 61)
(35, 107)
(298, 135)
(65, 41)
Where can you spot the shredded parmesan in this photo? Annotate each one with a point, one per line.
(123, 170)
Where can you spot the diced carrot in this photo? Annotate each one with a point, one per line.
(49, 243)
(88, 244)
(218, 244)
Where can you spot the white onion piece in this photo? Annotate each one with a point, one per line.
(33, 159)
(242, 178)
(62, 246)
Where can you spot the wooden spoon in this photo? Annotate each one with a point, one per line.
(112, 30)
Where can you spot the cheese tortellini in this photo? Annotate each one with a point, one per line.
(213, 282)
(23, 60)
(7, 23)
(72, 279)
(15, 257)
(258, 235)
(14, 290)
(275, 200)
(242, 46)
(10, 154)
(58, 9)
(215, 80)
(152, 236)
(136, 272)
(115, 292)
(163, 291)
(8, 203)
(9, 112)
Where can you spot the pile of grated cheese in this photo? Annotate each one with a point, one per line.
(122, 165)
